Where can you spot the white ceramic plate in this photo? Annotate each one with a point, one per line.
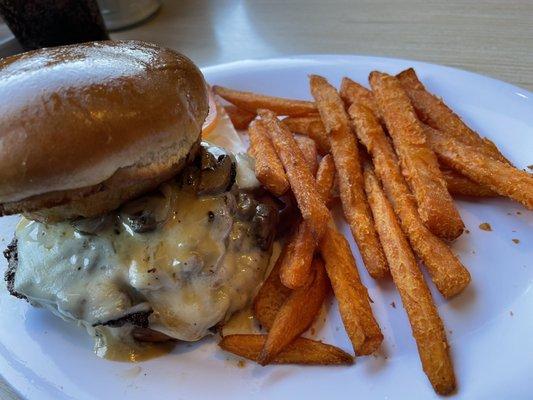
(490, 325)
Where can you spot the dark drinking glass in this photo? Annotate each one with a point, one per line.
(47, 23)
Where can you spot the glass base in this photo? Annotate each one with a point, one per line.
(120, 14)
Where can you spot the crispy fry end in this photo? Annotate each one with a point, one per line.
(268, 167)
(301, 180)
(425, 321)
(352, 296)
(296, 314)
(239, 118)
(252, 102)
(301, 351)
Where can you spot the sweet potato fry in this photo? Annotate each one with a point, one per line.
(310, 126)
(346, 156)
(296, 314)
(252, 102)
(351, 294)
(301, 179)
(434, 112)
(459, 184)
(325, 178)
(499, 176)
(295, 272)
(300, 351)
(272, 294)
(268, 167)
(352, 92)
(418, 162)
(309, 150)
(424, 318)
(239, 118)
(446, 271)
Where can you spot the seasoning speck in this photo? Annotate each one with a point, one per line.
(516, 241)
(485, 226)
(511, 313)
(518, 213)
(241, 363)
(393, 304)
(467, 231)
(210, 216)
(152, 270)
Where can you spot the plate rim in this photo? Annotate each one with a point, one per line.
(331, 56)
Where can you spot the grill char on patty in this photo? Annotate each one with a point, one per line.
(11, 255)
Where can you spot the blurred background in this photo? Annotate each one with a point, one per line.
(492, 37)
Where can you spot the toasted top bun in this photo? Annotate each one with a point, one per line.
(93, 123)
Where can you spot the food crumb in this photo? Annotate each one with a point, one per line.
(516, 241)
(511, 313)
(518, 213)
(393, 304)
(485, 226)
(467, 231)
(241, 363)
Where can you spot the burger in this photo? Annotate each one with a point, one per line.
(132, 226)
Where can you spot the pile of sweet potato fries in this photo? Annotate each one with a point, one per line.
(396, 154)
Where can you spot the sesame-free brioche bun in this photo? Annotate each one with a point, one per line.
(84, 128)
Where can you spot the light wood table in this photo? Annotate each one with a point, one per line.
(491, 37)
